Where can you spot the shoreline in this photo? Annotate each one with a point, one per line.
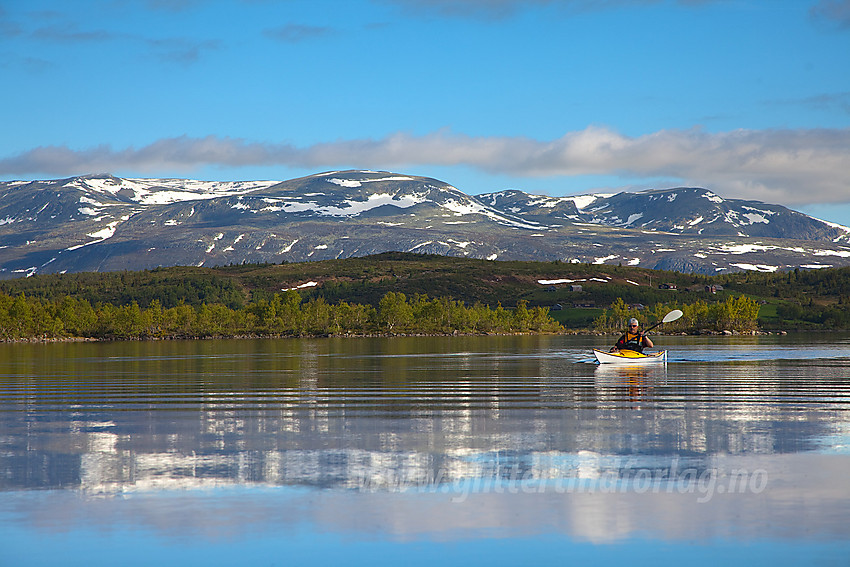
(570, 332)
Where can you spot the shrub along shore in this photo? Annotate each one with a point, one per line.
(285, 314)
(288, 315)
(737, 313)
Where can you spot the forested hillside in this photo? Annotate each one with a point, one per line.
(428, 294)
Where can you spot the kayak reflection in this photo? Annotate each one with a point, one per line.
(620, 372)
(636, 381)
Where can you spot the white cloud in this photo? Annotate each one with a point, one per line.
(779, 166)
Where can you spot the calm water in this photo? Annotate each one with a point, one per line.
(456, 451)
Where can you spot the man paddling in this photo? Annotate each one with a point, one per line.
(633, 339)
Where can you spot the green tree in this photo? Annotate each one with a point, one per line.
(394, 312)
(78, 316)
(521, 316)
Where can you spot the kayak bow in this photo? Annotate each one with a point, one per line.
(629, 357)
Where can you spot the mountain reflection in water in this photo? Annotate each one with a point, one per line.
(449, 438)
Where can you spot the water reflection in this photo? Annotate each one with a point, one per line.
(417, 437)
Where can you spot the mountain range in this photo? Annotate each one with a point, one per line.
(105, 223)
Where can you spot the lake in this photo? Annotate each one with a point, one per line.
(422, 451)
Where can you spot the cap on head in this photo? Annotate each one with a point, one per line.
(633, 321)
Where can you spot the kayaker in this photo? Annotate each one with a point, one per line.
(632, 339)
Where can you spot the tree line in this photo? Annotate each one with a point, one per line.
(739, 313)
(801, 299)
(288, 314)
(284, 314)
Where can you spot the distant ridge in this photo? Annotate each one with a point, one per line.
(105, 223)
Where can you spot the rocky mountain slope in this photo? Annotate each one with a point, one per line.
(100, 222)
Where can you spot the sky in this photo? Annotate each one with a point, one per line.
(748, 98)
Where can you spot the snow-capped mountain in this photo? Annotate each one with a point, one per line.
(683, 210)
(100, 222)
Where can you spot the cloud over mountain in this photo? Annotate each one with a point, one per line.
(788, 166)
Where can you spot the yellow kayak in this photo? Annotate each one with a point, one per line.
(629, 356)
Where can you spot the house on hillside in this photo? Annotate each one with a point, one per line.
(667, 286)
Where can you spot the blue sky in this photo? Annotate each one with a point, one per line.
(750, 99)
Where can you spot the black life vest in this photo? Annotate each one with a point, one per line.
(631, 341)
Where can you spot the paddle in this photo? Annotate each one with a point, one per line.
(669, 318)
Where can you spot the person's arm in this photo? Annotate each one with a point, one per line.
(647, 342)
(619, 344)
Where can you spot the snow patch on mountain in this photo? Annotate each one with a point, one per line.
(165, 191)
(604, 259)
(744, 248)
(353, 183)
(583, 201)
(235, 242)
(420, 245)
(755, 217)
(839, 253)
(345, 182)
(301, 286)
(350, 208)
(105, 233)
(561, 281)
(756, 267)
(633, 218)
